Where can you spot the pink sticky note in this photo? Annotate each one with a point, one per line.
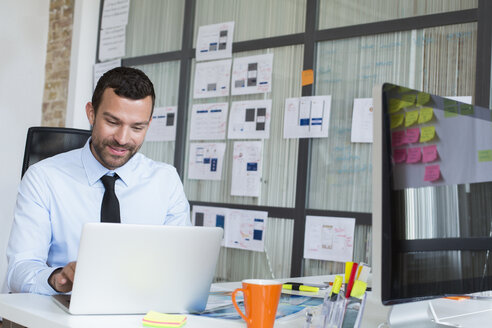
(432, 173)
(399, 155)
(414, 155)
(412, 135)
(430, 153)
(398, 138)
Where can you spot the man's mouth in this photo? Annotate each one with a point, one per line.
(118, 151)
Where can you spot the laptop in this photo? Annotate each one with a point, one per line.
(132, 269)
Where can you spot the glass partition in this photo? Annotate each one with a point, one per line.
(337, 13)
(165, 77)
(154, 26)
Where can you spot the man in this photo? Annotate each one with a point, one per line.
(59, 195)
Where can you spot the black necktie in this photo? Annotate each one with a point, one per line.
(110, 207)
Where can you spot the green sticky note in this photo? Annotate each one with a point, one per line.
(466, 109)
(411, 118)
(422, 98)
(426, 114)
(396, 120)
(450, 112)
(427, 133)
(485, 155)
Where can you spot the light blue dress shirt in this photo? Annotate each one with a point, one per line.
(57, 196)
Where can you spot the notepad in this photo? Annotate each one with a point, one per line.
(156, 319)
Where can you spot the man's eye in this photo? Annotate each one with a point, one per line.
(138, 128)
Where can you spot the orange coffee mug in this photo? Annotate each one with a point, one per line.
(261, 299)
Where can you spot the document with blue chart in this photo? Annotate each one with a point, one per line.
(246, 168)
(252, 74)
(307, 117)
(163, 124)
(208, 121)
(212, 79)
(214, 41)
(205, 161)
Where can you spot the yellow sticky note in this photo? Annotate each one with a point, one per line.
(358, 289)
(411, 118)
(422, 98)
(409, 100)
(485, 155)
(396, 120)
(156, 319)
(427, 133)
(426, 114)
(394, 105)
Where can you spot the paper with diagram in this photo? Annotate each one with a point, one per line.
(208, 121)
(362, 120)
(246, 229)
(208, 216)
(246, 168)
(205, 161)
(212, 79)
(307, 117)
(115, 13)
(329, 238)
(214, 41)
(252, 74)
(163, 124)
(112, 43)
(250, 119)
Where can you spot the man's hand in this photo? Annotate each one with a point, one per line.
(61, 279)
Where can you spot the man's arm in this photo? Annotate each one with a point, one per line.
(179, 208)
(30, 238)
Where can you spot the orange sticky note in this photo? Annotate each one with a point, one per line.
(414, 155)
(432, 173)
(307, 77)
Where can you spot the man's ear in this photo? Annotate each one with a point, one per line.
(91, 113)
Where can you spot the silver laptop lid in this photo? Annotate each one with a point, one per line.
(125, 269)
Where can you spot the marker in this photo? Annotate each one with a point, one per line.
(351, 280)
(300, 287)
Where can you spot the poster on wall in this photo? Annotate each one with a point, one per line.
(252, 74)
(214, 41)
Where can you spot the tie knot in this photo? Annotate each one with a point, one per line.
(108, 181)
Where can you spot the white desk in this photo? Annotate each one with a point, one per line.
(37, 311)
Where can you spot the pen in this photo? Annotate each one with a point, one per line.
(300, 287)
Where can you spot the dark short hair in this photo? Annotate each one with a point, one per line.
(126, 82)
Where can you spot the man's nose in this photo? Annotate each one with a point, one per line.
(122, 136)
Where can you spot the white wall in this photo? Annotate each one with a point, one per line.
(23, 40)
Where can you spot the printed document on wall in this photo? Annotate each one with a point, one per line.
(214, 41)
(252, 74)
(246, 168)
(101, 68)
(208, 216)
(250, 119)
(163, 124)
(246, 229)
(115, 13)
(362, 120)
(329, 238)
(112, 43)
(208, 121)
(212, 79)
(307, 117)
(205, 161)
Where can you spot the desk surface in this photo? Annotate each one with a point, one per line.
(38, 311)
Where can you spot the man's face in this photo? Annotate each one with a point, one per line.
(119, 128)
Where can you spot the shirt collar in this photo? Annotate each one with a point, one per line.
(95, 170)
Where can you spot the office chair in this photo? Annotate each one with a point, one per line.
(43, 142)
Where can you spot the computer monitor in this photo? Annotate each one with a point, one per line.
(432, 196)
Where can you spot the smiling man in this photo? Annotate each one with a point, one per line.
(57, 196)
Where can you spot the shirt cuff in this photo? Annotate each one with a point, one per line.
(42, 286)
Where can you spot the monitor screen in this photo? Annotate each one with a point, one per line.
(436, 194)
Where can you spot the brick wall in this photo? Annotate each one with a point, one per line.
(57, 63)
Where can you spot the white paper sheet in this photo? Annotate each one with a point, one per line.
(205, 161)
(250, 119)
(115, 13)
(246, 229)
(246, 168)
(101, 68)
(362, 120)
(163, 124)
(252, 74)
(112, 43)
(329, 238)
(212, 79)
(214, 41)
(208, 121)
(307, 117)
(208, 216)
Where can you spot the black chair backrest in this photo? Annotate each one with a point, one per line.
(43, 142)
